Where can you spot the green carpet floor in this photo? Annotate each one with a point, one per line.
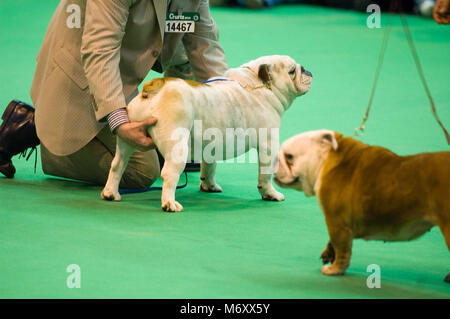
(231, 245)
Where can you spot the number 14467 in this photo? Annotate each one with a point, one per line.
(180, 26)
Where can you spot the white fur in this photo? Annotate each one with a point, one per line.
(307, 153)
(245, 102)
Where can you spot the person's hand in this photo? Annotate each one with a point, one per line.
(441, 12)
(136, 134)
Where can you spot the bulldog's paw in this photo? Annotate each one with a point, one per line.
(332, 270)
(210, 188)
(110, 195)
(327, 255)
(172, 206)
(273, 195)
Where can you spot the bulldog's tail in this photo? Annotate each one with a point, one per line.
(152, 87)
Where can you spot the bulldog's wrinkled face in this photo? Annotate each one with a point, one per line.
(301, 158)
(283, 73)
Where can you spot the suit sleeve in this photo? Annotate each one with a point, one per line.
(104, 28)
(205, 54)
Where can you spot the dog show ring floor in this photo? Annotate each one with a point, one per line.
(231, 244)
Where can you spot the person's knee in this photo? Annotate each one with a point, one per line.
(141, 177)
(55, 165)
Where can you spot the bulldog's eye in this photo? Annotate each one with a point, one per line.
(288, 157)
(292, 72)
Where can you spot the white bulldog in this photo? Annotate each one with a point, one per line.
(251, 97)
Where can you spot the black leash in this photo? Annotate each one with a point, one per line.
(395, 6)
(150, 188)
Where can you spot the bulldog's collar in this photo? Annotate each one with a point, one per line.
(264, 85)
(215, 80)
(246, 87)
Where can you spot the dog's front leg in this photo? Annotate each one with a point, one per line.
(341, 240)
(328, 254)
(207, 178)
(265, 162)
(118, 166)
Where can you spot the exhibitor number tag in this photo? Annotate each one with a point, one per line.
(181, 22)
(180, 26)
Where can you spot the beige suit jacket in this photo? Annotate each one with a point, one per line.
(85, 73)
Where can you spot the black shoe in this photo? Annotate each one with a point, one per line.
(17, 134)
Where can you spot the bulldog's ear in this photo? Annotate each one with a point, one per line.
(264, 73)
(330, 139)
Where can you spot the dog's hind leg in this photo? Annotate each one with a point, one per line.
(175, 155)
(118, 166)
(170, 175)
(207, 178)
(444, 226)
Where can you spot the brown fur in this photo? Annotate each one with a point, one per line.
(264, 74)
(370, 192)
(152, 87)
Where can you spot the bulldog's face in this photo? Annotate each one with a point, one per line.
(282, 73)
(301, 158)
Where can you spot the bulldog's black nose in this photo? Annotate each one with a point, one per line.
(306, 72)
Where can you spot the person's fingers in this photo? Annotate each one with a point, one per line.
(151, 145)
(145, 144)
(136, 134)
(150, 121)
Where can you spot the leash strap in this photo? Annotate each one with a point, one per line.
(216, 80)
(150, 188)
(243, 86)
(359, 131)
(421, 74)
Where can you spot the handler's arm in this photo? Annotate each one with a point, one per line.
(104, 28)
(205, 54)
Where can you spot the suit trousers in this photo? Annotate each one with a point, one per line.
(92, 163)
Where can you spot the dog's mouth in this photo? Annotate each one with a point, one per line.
(305, 81)
(294, 182)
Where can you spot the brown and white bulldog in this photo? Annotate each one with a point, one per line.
(366, 191)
